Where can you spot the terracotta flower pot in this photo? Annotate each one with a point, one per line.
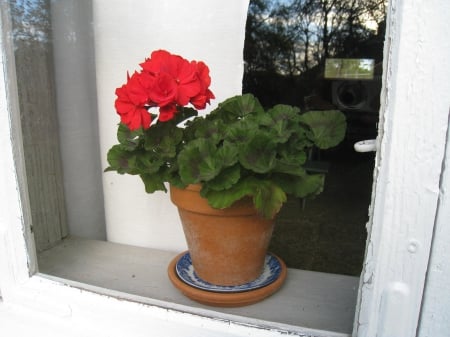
(227, 247)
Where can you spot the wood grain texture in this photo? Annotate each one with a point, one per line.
(36, 92)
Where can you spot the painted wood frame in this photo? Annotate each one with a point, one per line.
(413, 128)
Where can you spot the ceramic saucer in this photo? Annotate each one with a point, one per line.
(185, 271)
(271, 280)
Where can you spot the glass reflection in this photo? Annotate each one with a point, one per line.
(322, 55)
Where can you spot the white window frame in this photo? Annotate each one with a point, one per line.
(408, 187)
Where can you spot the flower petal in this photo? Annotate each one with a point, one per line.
(167, 112)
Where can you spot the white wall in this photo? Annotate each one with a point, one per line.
(126, 32)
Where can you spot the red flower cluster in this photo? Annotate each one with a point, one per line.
(165, 81)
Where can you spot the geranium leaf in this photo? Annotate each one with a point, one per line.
(212, 130)
(184, 113)
(283, 122)
(227, 178)
(144, 163)
(269, 199)
(301, 186)
(238, 106)
(282, 112)
(153, 182)
(258, 154)
(227, 154)
(163, 139)
(241, 133)
(291, 165)
(197, 163)
(328, 127)
(119, 160)
(225, 198)
(129, 140)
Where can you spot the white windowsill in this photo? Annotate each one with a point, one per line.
(307, 301)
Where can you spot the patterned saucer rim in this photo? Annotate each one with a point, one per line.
(185, 271)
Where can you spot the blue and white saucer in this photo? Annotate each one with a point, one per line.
(185, 271)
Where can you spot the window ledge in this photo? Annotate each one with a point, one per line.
(308, 301)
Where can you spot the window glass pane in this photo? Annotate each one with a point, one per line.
(287, 45)
(81, 56)
(56, 84)
(287, 49)
(70, 57)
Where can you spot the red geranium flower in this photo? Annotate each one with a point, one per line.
(177, 79)
(156, 63)
(131, 104)
(205, 95)
(166, 81)
(187, 80)
(167, 112)
(164, 90)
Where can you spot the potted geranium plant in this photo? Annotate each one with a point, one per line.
(238, 156)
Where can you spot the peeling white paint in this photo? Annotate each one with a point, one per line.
(416, 97)
(435, 315)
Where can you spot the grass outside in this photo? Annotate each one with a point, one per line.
(328, 233)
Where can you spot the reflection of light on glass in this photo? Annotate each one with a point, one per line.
(369, 22)
(361, 69)
(31, 20)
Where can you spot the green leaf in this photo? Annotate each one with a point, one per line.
(284, 122)
(176, 181)
(120, 160)
(258, 154)
(241, 132)
(268, 198)
(183, 114)
(328, 127)
(292, 164)
(129, 140)
(162, 139)
(197, 162)
(225, 198)
(282, 112)
(262, 119)
(210, 129)
(227, 154)
(153, 182)
(301, 186)
(225, 180)
(145, 162)
(238, 106)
